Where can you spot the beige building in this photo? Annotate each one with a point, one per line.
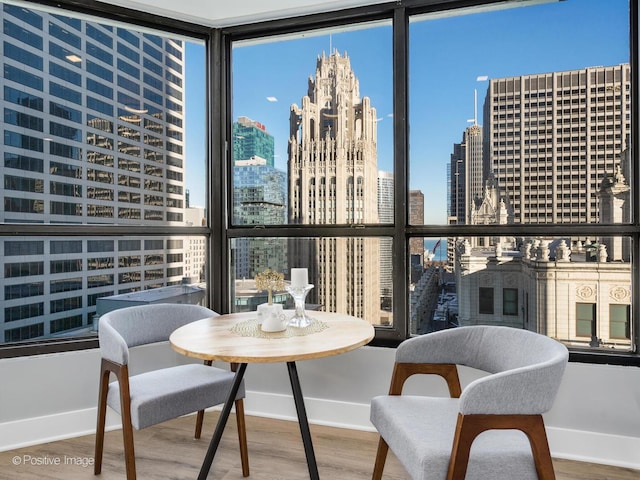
(580, 302)
(577, 292)
(551, 138)
(333, 179)
(195, 247)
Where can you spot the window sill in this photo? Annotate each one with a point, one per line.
(43, 347)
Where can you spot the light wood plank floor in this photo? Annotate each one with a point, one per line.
(168, 451)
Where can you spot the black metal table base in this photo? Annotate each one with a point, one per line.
(300, 410)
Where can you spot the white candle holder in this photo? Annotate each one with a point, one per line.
(299, 293)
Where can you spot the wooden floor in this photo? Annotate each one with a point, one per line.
(168, 451)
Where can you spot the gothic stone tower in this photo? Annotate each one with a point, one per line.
(333, 180)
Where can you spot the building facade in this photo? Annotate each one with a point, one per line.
(195, 248)
(416, 217)
(90, 137)
(333, 179)
(466, 175)
(551, 138)
(251, 139)
(578, 292)
(385, 214)
(565, 295)
(259, 198)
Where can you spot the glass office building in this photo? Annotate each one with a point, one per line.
(93, 134)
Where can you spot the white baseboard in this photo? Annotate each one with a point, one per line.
(584, 446)
(594, 447)
(51, 428)
(579, 445)
(319, 411)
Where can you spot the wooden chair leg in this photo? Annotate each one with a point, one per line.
(242, 437)
(469, 427)
(462, 440)
(199, 421)
(102, 415)
(127, 428)
(381, 458)
(540, 448)
(200, 415)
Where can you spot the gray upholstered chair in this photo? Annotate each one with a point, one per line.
(491, 430)
(153, 397)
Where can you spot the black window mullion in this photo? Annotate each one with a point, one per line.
(401, 173)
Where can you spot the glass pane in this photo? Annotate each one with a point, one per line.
(349, 275)
(499, 136)
(94, 133)
(510, 301)
(313, 132)
(432, 294)
(619, 321)
(58, 287)
(576, 290)
(94, 122)
(585, 314)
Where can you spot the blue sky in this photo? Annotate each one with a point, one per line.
(446, 57)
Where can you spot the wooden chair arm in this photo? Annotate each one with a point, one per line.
(448, 371)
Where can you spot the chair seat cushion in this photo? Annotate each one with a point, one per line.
(420, 431)
(168, 393)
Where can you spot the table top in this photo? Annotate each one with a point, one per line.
(237, 338)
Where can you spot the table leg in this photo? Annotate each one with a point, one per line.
(222, 422)
(302, 420)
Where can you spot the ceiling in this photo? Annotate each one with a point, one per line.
(223, 13)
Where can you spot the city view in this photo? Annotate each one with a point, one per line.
(104, 125)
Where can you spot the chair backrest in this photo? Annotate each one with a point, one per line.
(132, 326)
(526, 368)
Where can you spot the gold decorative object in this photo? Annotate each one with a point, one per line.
(271, 281)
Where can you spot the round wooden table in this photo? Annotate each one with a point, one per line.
(238, 339)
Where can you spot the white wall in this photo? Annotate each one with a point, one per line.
(596, 416)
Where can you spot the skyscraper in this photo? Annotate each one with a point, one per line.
(109, 134)
(456, 194)
(465, 175)
(385, 213)
(416, 217)
(259, 198)
(333, 180)
(551, 138)
(251, 139)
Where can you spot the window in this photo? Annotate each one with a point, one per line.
(485, 300)
(586, 319)
(269, 166)
(67, 166)
(484, 186)
(477, 150)
(510, 301)
(619, 318)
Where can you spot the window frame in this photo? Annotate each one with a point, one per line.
(218, 232)
(402, 231)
